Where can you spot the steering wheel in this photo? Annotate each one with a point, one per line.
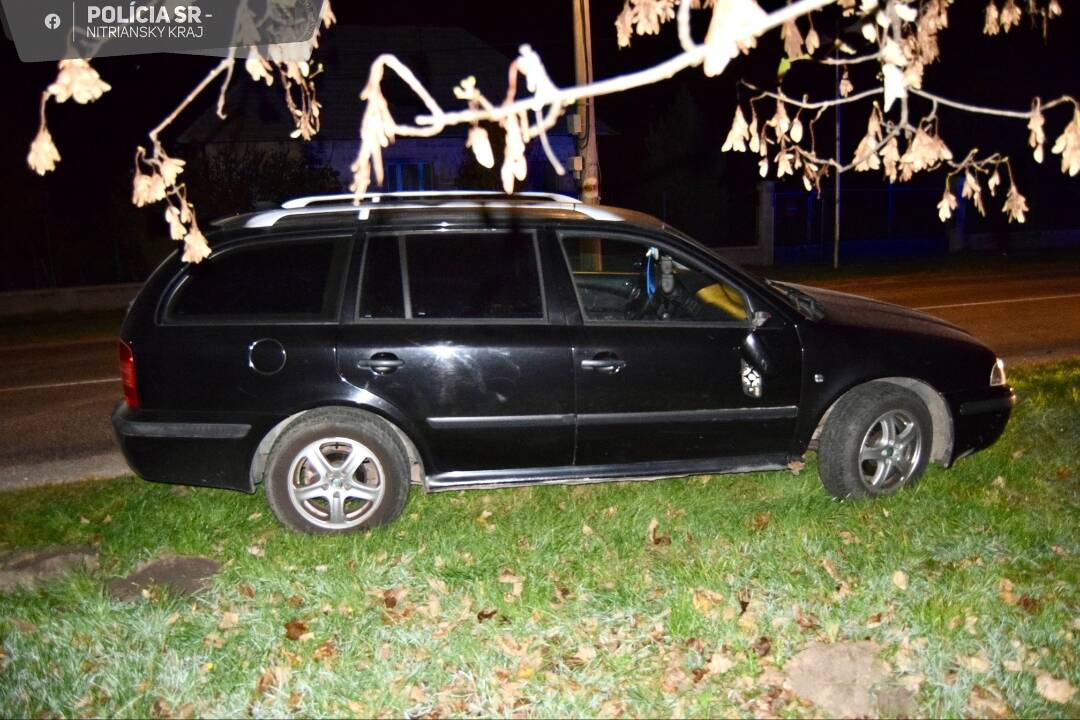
(644, 297)
(639, 305)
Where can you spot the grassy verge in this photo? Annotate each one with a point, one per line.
(554, 601)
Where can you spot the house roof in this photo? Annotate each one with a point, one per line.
(441, 57)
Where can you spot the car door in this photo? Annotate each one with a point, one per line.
(249, 330)
(452, 332)
(668, 364)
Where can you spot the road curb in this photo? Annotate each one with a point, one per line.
(62, 472)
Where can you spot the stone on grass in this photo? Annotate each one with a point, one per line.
(848, 680)
(181, 575)
(29, 569)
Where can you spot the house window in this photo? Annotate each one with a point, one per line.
(408, 176)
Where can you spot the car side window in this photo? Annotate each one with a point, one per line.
(473, 275)
(381, 293)
(633, 280)
(278, 280)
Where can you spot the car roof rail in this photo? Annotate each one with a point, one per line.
(269, 218)
(421, 196)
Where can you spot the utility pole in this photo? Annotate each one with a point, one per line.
(586, 108)
(836, 198)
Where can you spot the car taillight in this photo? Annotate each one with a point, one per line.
(127, 375)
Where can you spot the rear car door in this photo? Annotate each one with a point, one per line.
(241, 340)
(451, 332)
(668, 364)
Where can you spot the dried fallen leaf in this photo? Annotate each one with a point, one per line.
(986, 703)
(327, 651)
(1029, 604)
(256, 551)
(1006, 591)
(485, 614)
(1054, 690)
(674, 679)
(978, 663)
(294, 629)
(805, 621)
(704, 600)
(761, 521)
(245, 590)
(796, 466)
(392, 596)
(720, 663)
(762, 646)
(611, 709)
(900, 579)
(655, 538)
(585, 653)
(229, 620)
(273, 678)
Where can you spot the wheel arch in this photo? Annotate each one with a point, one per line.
(941, 417)
(417, 473)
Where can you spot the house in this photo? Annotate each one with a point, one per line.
(441, 57)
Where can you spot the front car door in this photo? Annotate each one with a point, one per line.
(452, 333)
(670, 370)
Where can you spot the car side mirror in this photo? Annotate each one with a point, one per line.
(754, 352)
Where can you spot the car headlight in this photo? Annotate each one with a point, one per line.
(997, 374)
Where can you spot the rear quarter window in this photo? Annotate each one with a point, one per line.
(288, 280)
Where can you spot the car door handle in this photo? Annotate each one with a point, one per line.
(609, 365)
(381, 363)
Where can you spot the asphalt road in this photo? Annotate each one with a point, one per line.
(55, 398)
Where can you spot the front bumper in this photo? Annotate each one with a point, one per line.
(979, 418)
(205, 454)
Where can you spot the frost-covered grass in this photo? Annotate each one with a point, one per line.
(555, 602)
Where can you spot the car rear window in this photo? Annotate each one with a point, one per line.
(473, 276)
(283, 280)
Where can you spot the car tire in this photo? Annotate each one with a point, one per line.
(336, 470)
(876, 440)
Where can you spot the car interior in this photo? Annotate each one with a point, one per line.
(620, 281)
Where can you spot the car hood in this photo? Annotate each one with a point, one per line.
(854, 311)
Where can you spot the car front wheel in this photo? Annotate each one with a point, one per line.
(336, 470)
(875, 441)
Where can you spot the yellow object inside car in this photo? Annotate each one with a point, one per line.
(720, 295)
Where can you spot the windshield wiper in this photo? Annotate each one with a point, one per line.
(803, 303)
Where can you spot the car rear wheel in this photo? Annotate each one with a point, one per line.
(336, 471)
(875, 441)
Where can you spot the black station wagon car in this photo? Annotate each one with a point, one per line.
(339, 353)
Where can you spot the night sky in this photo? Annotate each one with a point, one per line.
(58, 229)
